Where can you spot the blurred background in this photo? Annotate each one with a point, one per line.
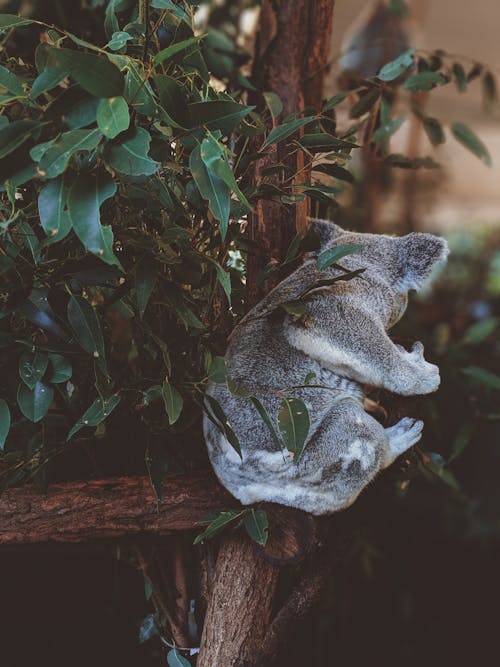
(421, 580)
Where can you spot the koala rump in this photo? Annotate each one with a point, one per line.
(342, 339)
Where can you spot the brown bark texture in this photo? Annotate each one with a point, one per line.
(291, 60)
(240, 607)
(108, 508)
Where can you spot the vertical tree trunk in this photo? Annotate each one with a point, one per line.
(291, 59)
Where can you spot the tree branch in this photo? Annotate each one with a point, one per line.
(108, 508)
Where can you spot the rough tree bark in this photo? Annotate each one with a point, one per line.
(291, 59)
(107, 508)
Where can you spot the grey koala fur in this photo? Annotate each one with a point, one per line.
(341, 338)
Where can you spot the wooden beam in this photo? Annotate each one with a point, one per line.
(108, 508)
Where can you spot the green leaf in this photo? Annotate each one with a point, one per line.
(483, 376)
(283, 131)
(173, 49)
(480, 331)
(61, 368)
(461, 440)
(87, 328)
(55, 159)
(178, 303)
(216, 414)
(146, 273)
(94, 73)
(404, 162)
(175, 659)
(217, 371)
(47, 80)
(256, 525)
(264, 415)
(130, 156)
(365, 102)
(216, 523)
(273, 102)
(433, 130)
(118, 40)
(173, 402)
(396, 67)
(471, 141)
(212, 188)
(490, 90)
(86, 196)
(334, 170)
(138, 91)
(423, 81)
(8, 21)
(34, 403)
(322, 142)
(383, 132)
(54, 216)
(293, 421)
(113, 116)
(148, 627)
(334, 101)
(10, 82)
(4, 422)
(32, 366)
(332, 255)
(460, 77)
(15, 134)
(222, 115)
(30, 239)
(214, 157)
(96, 414)
(172, 100)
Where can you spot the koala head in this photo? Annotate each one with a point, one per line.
(405, 262)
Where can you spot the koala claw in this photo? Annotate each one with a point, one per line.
(403, 435)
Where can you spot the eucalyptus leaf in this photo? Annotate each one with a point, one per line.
(216, 414)
(214, 157)
(32, 367)
(173, 49)
(130, 156)
(138, 91)
(118, 40)
(94, 72)
(61, 368)
(212, 188)
(34, 403)
(285, 130)
(396, 67)
(471, 141)
(15, 134)
(8, 21)
(97, 413)
(294, 424)
(146, 274)
(4, 422)
(222, 115)
(47, 80)
(274, 103)
(216, 523)
(423, 81)
(175, 659)
(54, 216)
(173, 402)
(113, 116)
(256, 525)
(86, 196)
(333, 255)
(87, 328)
(55, 159)
(10, 82)
(483, 376)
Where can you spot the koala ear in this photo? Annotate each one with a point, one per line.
(326, 231)
(418, 255)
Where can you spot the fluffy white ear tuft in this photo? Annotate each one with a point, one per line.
(327, 231)
(419, 254)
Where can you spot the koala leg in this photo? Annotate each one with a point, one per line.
(344, 454)
(402, 436)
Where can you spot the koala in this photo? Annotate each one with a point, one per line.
(341, 338)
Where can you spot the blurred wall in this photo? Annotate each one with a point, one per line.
(466, 191)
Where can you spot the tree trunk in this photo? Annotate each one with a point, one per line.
(290, 60)
(108, 508)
